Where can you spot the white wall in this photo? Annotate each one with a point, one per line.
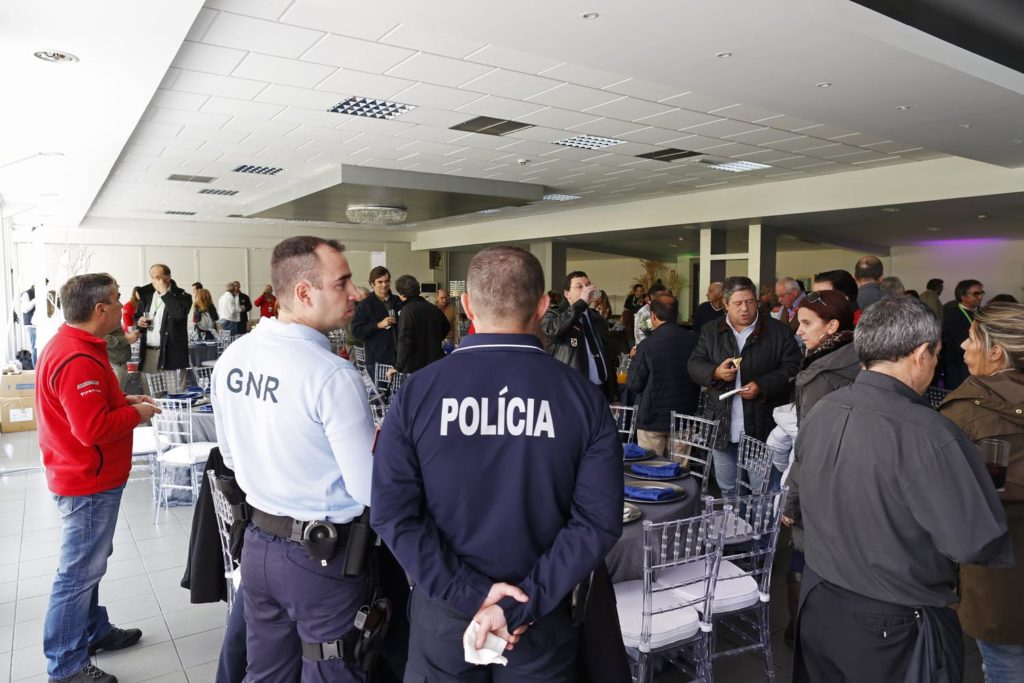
(999, 264)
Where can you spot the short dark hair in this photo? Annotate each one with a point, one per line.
(296, 259)
(738, 284)
(892, 328)
(572, 276)
(167, 270)
(505, 283)
(963, 286)
(868, 268)
(197, 285)
(407, 286)
(80, 294)
(666, 307)
(842, 281)
(935, 284)
(377, 272)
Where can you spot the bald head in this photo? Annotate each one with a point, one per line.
(868, 269)
(714, 294)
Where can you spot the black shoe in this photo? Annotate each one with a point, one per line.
(90, 674)
(117, 639)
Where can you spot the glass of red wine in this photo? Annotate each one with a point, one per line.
(997, 458)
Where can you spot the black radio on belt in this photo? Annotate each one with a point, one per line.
(320, 539)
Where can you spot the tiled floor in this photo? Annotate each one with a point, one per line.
(180, 641)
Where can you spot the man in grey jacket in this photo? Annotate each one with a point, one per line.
(893, 495)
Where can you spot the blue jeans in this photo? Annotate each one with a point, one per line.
(1002, 663)
(725, 468)
(74, 617)
(230, 327)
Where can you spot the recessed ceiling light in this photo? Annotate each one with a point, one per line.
(824, 84)
(982, 216)
(590, 15)
(965, 125)
(370, 108)
(724, 55)
(589, 142)
(555, 197)
(903, 107)
(56, 57)
(933, 229)
(738, 166)
(890, 209)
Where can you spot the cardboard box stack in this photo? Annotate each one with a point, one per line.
(17, 402)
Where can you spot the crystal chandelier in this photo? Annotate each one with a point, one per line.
(375, 215)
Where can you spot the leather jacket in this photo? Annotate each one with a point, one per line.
(563, 328)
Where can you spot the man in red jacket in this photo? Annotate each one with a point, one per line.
(85, 438)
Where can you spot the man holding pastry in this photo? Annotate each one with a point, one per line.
(742, 401)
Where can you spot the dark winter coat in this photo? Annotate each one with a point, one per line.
(658, 374)
(173, 328)
(421, 329)
(380, 344)
(563, 327)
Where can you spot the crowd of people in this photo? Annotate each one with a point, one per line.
(495, 482)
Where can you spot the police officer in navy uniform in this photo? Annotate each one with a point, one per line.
(497, 484)
(294, 424)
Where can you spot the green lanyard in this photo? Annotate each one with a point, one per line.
(970, 320)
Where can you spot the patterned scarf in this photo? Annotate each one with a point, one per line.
(830, 343)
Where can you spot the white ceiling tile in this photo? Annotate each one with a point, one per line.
(557, 118)
(437, 96)
(539, 134)
(309, 117)
(723, 128)
(581, 75)
(212, 84)
(437, 118)
(352, 53)
(743, 112)
(679, 119)
(480, 141)
(234, 150)
(428, 133)
(435, 42)
(348, 83)
(527, 148)
(207, 58)
(424, 147)
(813, 164)
(650, 135)
(299, 97)
(849, 155)
(511, 84)
(260, 126)
(645, 90)
(629, 109)
(880, 159)
(696, 102)
(772, 157)
(189, 118)
(609, 128)
(377, 127)
(201, 24)
(258, 35)
(282, 70)
(170, 99)
(860, 139)
(735, 149)
(515, 60)
(892, 147)
(816, 147)
(227, 137)
(357, 19)
(785, 122)
(262, 9)
(298, 136)
(696, 143)
(438, 70)
(499, 107)
(764, 136)
(795, 143)
(483, 155)
(819, 130)
(573, 97)
(224, 105)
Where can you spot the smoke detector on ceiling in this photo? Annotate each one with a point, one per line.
(375, 215)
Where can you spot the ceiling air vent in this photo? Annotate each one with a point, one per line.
(235, 215)
(669, 154)
(491, 126)
(213, 190)
(589, 142)
(180, 213)
(259, 170)
(191, 178)
(370, 108)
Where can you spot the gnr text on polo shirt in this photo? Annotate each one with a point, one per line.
(515, 416)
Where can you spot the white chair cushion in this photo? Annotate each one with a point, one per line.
(734, 589)
(666, 628)
(143, 441)
(181, 455)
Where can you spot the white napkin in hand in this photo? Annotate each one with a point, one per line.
(491, 652)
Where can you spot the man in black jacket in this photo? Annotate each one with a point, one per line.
(578, 336)
(768, 354)
(957, 317)
(246, 305)
(658, 374)
(162, 317)
(421, 328)
(376, 320)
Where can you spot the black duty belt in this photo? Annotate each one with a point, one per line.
(288, 528)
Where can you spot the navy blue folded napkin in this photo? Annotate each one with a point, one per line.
(665, 471)
(630, 451)
(205, 409)
(648, 493)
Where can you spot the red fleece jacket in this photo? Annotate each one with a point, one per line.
(85, 424)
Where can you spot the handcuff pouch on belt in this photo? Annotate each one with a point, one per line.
(362, 644)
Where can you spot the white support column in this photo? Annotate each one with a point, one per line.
(761, 252)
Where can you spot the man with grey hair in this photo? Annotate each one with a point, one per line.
(497, 483)
(162, 317)
(891, 286)
(86, 427)
(789, 294)
(769, 356)
(892, 497)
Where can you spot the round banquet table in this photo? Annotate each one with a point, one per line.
(198, 352)
(204, 427)
(625, 560)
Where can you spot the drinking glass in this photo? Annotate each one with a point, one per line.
(997, 458)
